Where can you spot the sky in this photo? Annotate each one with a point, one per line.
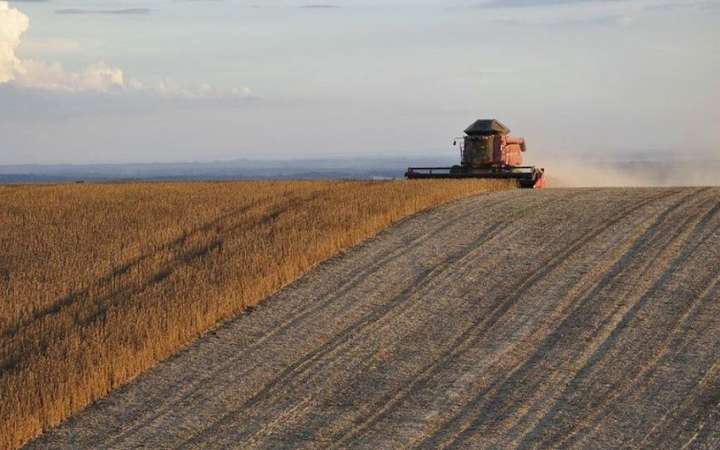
(89, 81)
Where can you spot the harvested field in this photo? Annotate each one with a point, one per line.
(578, 318)
(100, 282)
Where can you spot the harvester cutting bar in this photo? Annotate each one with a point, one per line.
(527, 176)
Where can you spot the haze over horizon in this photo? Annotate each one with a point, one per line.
(84, 81)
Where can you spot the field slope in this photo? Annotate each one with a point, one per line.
(100, 282)
(580, 319)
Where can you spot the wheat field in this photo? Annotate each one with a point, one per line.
(100, 282)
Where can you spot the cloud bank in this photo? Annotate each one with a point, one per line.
(13, 24)
(98, 77)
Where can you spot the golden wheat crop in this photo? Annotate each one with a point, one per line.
(100, 282)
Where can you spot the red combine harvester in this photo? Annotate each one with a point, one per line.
(487, 151)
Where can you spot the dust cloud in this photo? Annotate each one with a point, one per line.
(574, 173)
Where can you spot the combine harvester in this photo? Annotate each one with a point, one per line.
(487, 151)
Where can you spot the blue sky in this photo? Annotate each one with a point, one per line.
(197, 80)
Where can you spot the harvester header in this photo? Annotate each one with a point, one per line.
(487, 151)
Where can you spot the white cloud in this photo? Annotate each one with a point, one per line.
(98, 77)
(13, 24)
(171, 89)
(33, 74)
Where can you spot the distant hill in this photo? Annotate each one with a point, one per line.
(240, 169)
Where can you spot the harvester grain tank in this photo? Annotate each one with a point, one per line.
(487, 151)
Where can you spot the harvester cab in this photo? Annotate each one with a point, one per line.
(487, 151)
